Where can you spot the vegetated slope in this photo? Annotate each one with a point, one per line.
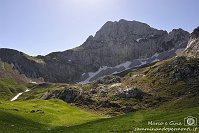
(39, 116)
(23, 63)
(11, 82)
(56, 116)
(136, 122)
(115, 43)
(173, 83)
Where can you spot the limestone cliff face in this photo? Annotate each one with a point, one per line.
(192, 49)
(113, 44)
(117, 42)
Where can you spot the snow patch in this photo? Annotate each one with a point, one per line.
(16, 97)
(125, 65)
(27, 90)
(143, 63)
(139, 39)
(156, 60)
(189, 44)
(19, 94)
(155, 55)
(116, 72)
(83, 74)
(171, 50)
(93, 74)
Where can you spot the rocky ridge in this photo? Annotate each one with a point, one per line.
(117, 46)
(192, 49)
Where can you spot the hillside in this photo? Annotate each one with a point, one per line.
(173, 82)
(11, 81)
(136, 122)
(18, 117)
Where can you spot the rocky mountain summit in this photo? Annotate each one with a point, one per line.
(192, 49)
(116, 47)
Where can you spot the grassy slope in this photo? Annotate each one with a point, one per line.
(11, 82)
(159, 80)
(37, 91)
(40, 115)
(56, 116)
(161, 77)
(128, 123)
(9, 88)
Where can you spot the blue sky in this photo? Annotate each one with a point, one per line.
(38, 27)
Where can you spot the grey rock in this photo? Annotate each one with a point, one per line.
(109, 79)
(113, 44)
(192, 49)
(132, 93)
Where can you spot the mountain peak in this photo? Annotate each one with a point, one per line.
(124, 22)
(195, 33)
(9, 52)
(122, 29)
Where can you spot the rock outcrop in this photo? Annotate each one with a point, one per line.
(192, 49)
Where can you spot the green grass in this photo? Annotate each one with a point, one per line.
(40, 115)
(9, 88)
(37, 91)
(37, 60)
(160, 79)
(44, 116)
(11, 82)
(127, 123)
